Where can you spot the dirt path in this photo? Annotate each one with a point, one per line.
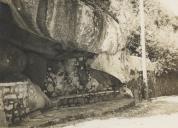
(70, 114)
(159, 113)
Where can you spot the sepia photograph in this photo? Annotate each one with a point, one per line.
(88, 63)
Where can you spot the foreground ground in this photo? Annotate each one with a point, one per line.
(65, 115)
(159, 113)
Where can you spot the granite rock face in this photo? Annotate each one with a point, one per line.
(99, 27)
(81, 24)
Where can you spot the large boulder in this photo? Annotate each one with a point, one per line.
(36, 98)
(74, 22)
(99, 27)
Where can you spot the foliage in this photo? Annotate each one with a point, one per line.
(161, 37)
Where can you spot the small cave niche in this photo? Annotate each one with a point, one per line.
(67, 77)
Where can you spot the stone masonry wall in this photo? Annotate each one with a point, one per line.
(20, 98)
(15, 100)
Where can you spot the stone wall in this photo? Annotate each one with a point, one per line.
(163, 85)
(15, 100)
(166, 84)
(20, 98)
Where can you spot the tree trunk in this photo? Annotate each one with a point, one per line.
(142, 37)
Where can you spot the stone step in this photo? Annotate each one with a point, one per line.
(86, 98)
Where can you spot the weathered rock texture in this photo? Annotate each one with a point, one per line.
(99, 27)
(91, 26)
(82, 24)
